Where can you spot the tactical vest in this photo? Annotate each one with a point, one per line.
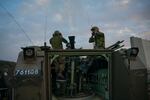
(56, 42)
(99, 40)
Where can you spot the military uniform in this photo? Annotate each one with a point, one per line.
(97, 38)
(56, 43)
(56, 40)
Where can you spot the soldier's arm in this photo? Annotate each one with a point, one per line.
(91, 39)
(64, 40)
(50, 41)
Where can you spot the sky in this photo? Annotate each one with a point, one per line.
(31, 22)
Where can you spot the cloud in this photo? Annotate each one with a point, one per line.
(125, 2)
(118, 19)
(124, 30)
(140, 9)
(42, 2)
(58, 17)
(145, 35)
(121, 3)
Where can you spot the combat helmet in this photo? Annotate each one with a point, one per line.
(56, 33)
(94, 28)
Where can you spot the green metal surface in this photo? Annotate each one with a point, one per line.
(79, 52)
(101, 84)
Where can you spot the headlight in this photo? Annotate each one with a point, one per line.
(28, 52)
(132, 52)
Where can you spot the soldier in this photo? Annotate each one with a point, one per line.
(56, 40)
(97, 38)
(59, 63)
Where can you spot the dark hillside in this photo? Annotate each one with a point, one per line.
(6, 71)
(6, 64)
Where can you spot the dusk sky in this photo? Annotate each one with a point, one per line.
(118, 19)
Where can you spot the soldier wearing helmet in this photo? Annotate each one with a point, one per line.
(97, 38)
(57, 40)
(59, 63)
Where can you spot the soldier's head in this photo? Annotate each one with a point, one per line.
(95, 29)
(57, 33)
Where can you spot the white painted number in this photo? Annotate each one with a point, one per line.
(24, 72)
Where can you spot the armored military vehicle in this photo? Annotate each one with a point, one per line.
(42, 73)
